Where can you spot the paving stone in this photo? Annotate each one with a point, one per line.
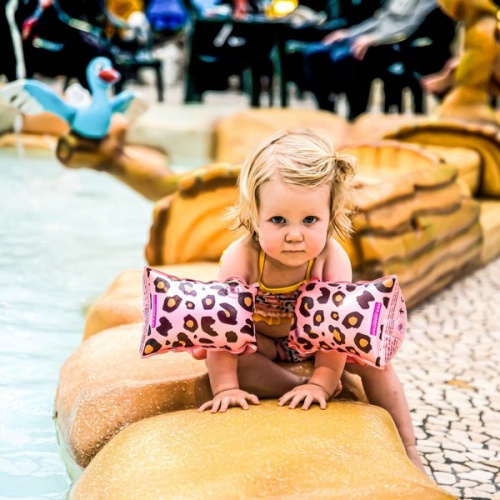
(435, 457)
(488, 488)
(460, 467)
(453, 491)
(474, 494)
(480, 476)
(442, 468)
(466, 484)
(481, 466)
(444, 478)
(454, 456)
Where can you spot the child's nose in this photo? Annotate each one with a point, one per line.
(294, 234)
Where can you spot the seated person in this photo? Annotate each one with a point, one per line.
(329, 15)
(349, 59)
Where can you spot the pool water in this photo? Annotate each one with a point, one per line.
(64, 237)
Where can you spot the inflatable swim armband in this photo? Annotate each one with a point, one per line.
(366, 319)
(186, 315)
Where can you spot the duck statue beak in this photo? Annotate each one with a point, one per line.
(109, 75)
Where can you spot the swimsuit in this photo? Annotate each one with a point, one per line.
(275, 306)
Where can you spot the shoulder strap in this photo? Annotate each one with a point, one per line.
(262, 259)
(309, 269)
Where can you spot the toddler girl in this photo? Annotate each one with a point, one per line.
(293, 193)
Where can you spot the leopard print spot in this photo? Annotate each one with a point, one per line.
(385, 286)
(248, 329)
(171, 303)
(190, 323)
(231, 337)
(350, 287)
(208, 302)
(363, 342)
(245, 300)
(206, 326)
(189, 305)
(338, 298)
(381, 331)
(161, 286)
(306, 304)
(183, 340)
(318, 318)
(151, 347)
(304, 344)
(205, 341)
(364, 299)
(352, 351)
(325, 295)
(227, 315)
(310, 333)
(335, 315)
(338, 336)
(310, 287)
(164, 327)
(353, 320)
(187, 289)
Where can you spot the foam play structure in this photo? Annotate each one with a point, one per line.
(428, 210)
(477, 76)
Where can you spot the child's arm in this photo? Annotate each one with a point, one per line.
(223, 366)
(222, 370)
(332, 265)
(328, 367)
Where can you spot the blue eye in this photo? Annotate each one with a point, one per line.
(277, 219)
(310, 219)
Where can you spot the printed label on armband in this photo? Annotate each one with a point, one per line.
(375, 318)
(153, 317)
(146, 296)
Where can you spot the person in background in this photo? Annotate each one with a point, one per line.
(351, 58)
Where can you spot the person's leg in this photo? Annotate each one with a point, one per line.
(318, 70)
(383, 388)
(259, 373)
(264, 378)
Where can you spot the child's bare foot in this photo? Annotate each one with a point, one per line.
(413, 455)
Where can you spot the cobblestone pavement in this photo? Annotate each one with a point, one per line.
(449, 365)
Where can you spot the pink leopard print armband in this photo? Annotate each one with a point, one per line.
(189, 315)
(366, 319)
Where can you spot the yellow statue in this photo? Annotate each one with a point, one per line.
(477, 75)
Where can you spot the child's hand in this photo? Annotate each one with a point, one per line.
(309, 393)
(232, 397)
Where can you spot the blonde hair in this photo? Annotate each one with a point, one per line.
(302, 158)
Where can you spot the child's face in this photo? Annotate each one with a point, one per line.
(293, 221)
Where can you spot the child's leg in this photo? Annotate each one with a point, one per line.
(383, 388)
(261, 376)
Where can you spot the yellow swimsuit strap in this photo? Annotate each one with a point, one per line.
(284, 289)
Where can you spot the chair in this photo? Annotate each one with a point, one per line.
(221, 47)
(129, 63)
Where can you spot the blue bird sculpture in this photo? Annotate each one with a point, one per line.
(89, 119)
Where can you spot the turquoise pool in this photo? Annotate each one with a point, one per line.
(64, 236)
